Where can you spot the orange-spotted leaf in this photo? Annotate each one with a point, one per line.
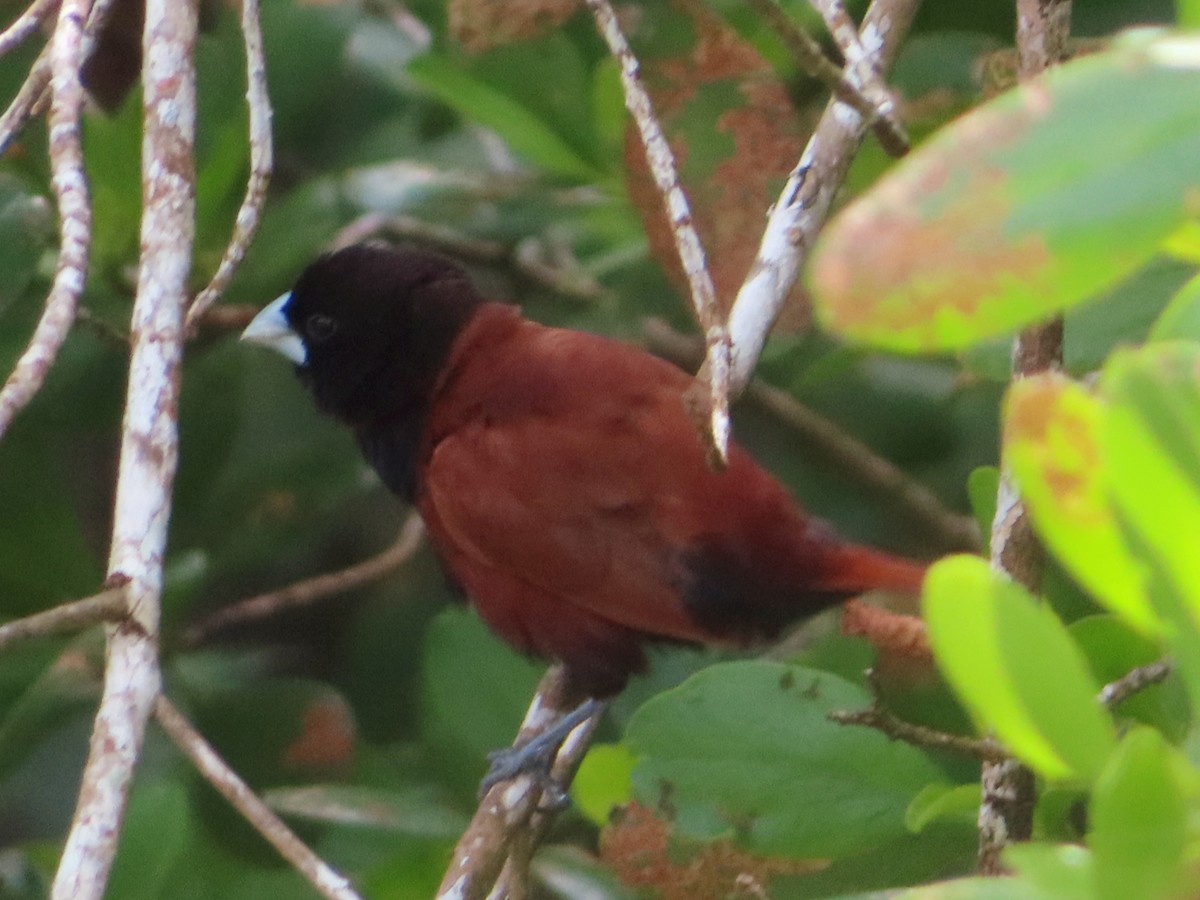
(1035, 201)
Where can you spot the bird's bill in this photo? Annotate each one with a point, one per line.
(271, 329)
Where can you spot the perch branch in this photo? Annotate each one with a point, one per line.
(661, 162)
(858, 461)
(107, 606)
(1117, 692)
(1009, 790)
(261, 163)
(510, 812)
(26, 24)
(882, 720)
(216, 772)
(149, 446)
(804, 203)
(872, 100)
(74, 212)
(311, 590)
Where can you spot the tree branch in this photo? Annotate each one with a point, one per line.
(510, 811)
(310, 590)
(1009, 790)
(661, 162)
(261, 163)
(26, 24)
(216, 772)
(804, 203)
(1117, 692)
(149, 445)
(107, 606)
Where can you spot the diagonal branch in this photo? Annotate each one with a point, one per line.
(691, 253)
(107, 606)
(149, 447)
(261, 163)
(806, 198)
(26, 24)
(311, 590)
(74, 211)
(226, 782)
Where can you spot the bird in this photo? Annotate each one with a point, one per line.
(562, 481)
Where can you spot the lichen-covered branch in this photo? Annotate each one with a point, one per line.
(26, 24)
(226, 782)
(107, 606)
(149, 448)
(661, 162)
(261, 163)
(804, 203)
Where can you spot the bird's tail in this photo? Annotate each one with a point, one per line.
(856, 570)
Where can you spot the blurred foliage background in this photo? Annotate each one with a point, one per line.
(366, 717)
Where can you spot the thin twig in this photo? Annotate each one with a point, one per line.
(804, 203)
(74, 212)
(507, 812)
(873, 101)
(1009, 789)
(149, 445)
(1117, 692)
(310, 590)
(107, 606)
(882, 720)
(821, 436)
(661, 162)
(261, 164)
(216, 772)
(26, 24)
(28, 102)
(526, 258)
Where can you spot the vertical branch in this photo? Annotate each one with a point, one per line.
(804, 203)
(687, 242)
(261, 163)
(1008, 788)
(70, 190)
(149, 447)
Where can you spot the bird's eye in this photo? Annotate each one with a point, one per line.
(320, 327)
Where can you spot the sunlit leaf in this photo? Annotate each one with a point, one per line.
(1016, 668)
(1052, 442)
(1030, 204)
(1181, 318)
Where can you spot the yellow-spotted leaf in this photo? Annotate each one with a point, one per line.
(1052, 442)
(1031, 203)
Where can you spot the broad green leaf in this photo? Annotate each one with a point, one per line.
(942, 801)
(1151, 441)
(604, 781)
(1022, 208)
(1016, 668)
(523, 129)
(1061, 872)
(1181, 318)
(154, 836)
(1052, 442)
(746, 749)
(982, 487)
(1139, 816)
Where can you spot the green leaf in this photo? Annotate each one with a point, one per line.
(1139, 816)
(154, 836)
(604, 781)
(525, 132)
(942, 801)
(1151, 442)
(1181, 318)
(746, 749)
(1016, 668)
(982, 486)
(1052, 442)
(1063, 872)
(1022, 208)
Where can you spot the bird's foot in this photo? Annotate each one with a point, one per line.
(536, 756)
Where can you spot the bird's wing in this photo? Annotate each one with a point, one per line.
(574, 505)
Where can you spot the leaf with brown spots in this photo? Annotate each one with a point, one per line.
(1052, 443)
(1036, 201)
(735, 134)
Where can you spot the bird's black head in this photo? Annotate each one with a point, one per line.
(369, 328)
